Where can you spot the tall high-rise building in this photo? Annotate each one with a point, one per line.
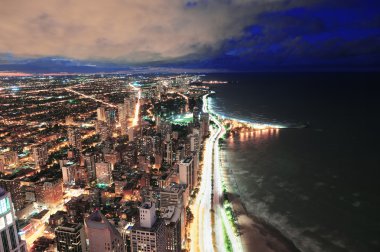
(40, 155)
(131, 135)
(168, 155)
(149, 233)
(75, 139)
(173, 227)
(102, 235)
(69, 170)
(205, 122)
(71, 237)
(101, 114)
(196, 115)
(123, 118)
(186, 172)
(49, 192)
(14, 187)
(111, 117)
(103, 130)
(103, 172)
(9, 158)
(195, 155)
(129, 104)
(10, 240)
(147, 215)
(194, 143)
(89, 163)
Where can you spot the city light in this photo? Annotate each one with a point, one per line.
(65, 160)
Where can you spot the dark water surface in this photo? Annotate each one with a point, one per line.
(319, 185)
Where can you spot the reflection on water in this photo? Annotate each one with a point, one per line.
(254, 135)
(317, 185)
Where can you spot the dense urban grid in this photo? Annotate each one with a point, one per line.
(107, 163)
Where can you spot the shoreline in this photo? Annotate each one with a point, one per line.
(254, 232)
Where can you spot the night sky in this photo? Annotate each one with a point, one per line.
(234, 35)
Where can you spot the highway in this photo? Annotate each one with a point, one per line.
(135, 120)
(90, 97)
(205, 234)
(201, 228)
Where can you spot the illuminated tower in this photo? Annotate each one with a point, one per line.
(40, 155)
(75, 140)
(89, 163)
(129, 106)
(123, 118)
(111, 117)
(101, 114)
(186, 172)
(10, 240)
(205, 122)
(196, 113)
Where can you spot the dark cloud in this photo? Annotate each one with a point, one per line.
(211, 33)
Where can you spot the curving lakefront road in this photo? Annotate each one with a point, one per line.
(211, 229)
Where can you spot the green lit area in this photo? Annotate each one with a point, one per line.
(181, 119)
(101, 185)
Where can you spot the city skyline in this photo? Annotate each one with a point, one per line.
(189, 125)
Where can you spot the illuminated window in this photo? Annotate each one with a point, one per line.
(2, 223)
(4, 205)
(9, 218)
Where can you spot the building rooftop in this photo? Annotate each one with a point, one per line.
(171, 214)
(187, 160)
(71, 227)
(147, 205)
(153, 229)
(174, 188)
(40, 215)
(98, 221)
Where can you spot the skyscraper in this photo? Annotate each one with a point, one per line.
(74, 136)
(129, 105)
(9, 158)
(70, 237)
(13, 186)
(89, 163)
(186, 172)
(103, 130)
(172, 217)
(131, 136)
(196, 113)
(102, 235)
(103, 172)
(101, 114)
(68, 171)
(123, 118)
(10, 241)
(111, 117)
(40, 155)
(149, 233)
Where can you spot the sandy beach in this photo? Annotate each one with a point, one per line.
(256, 235)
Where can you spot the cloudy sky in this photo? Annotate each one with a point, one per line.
(221, 34)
